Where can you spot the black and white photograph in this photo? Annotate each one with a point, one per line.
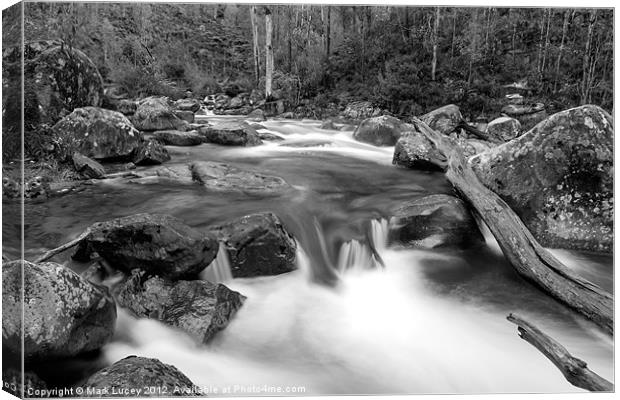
(293, 199)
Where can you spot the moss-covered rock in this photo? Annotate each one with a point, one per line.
(504, 129)
(413, 150)
(96, 133)
(157, 114)
(64, 314)
(558, 178)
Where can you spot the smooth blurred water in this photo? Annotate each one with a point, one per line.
(426, 322)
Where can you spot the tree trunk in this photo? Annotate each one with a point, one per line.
(574, 370)
(546, 49)
(586, 59)
(520, 248)
(329, 32)
(560, 51)
(435, 40)
(268, 54)
(254, 22)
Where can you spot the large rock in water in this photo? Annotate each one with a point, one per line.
(62, 79)
(192, 105)
(257, 245)
(558, 178)
(150, 153)
(413, 150)
(434, 221)
(226, 178)
(179, 138)
(138, 373)
(157, 244)
(444, 119)
(231, 134)
(96, 133)
(64, 315)
(198, 307)
(155, 114)
(381, 131)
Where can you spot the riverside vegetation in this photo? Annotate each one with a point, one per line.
(200, 116)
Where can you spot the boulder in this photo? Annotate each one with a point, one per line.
(558, 178)
(64, 315)
(96, 133)
(256, 115)
(444, 119)
(155, 114)
(235, 102)
(157, 244)
(504, 128)
(127, 107)
(413, 150)
(231, 134)
(360, 110)
(434, 221)
(226, 178)
(381, 131)
(139, 373)
(528, 115)
(150, 152)
(192, 105)
(257, 245)
(89, 169)
(179, 138)
(328, 125)
(186, 116)
(61, 78)
(197, 307)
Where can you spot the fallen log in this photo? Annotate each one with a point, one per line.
(64, 247)
(574, 369)
(526, 255)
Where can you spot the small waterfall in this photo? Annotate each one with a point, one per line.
(358, 255)
(219, 269)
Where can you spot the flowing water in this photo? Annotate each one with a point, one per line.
(397, 321)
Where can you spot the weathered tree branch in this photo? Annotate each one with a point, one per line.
(527, 256)
(64, 247)
(574, 370)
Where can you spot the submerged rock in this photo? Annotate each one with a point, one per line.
(179, 138)
(186, 116)
(64, 314)
(257, 245)
(558, 178)
(504, 129)
(231, 134)
(197, 307)
(89, 169)
(381, 131)
(150, 153)
(224, 177)
(157, 244)
(138, 373)
(444, 119)
(413, 150)
(256, 115)
(434, 221)
(155, 114)
(96, 133)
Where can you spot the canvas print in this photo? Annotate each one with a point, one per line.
(245, 199)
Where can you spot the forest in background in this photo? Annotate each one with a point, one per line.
(407, 60)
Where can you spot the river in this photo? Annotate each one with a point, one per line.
(429, 322)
